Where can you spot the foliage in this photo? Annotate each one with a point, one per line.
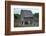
(36, 15)
(17, 16)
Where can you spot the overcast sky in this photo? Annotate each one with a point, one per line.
(18, 10)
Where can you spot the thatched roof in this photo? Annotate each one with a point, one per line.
(26, 13)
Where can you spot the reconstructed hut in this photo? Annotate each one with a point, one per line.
(26, 17)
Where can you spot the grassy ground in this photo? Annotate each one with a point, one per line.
(26, 25)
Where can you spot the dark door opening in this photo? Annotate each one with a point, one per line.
(26, 22)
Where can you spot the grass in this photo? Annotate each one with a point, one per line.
(28, 25)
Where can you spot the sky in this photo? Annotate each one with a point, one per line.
(18, 10)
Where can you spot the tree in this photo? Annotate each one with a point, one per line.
(36, 15)
(17, 16)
